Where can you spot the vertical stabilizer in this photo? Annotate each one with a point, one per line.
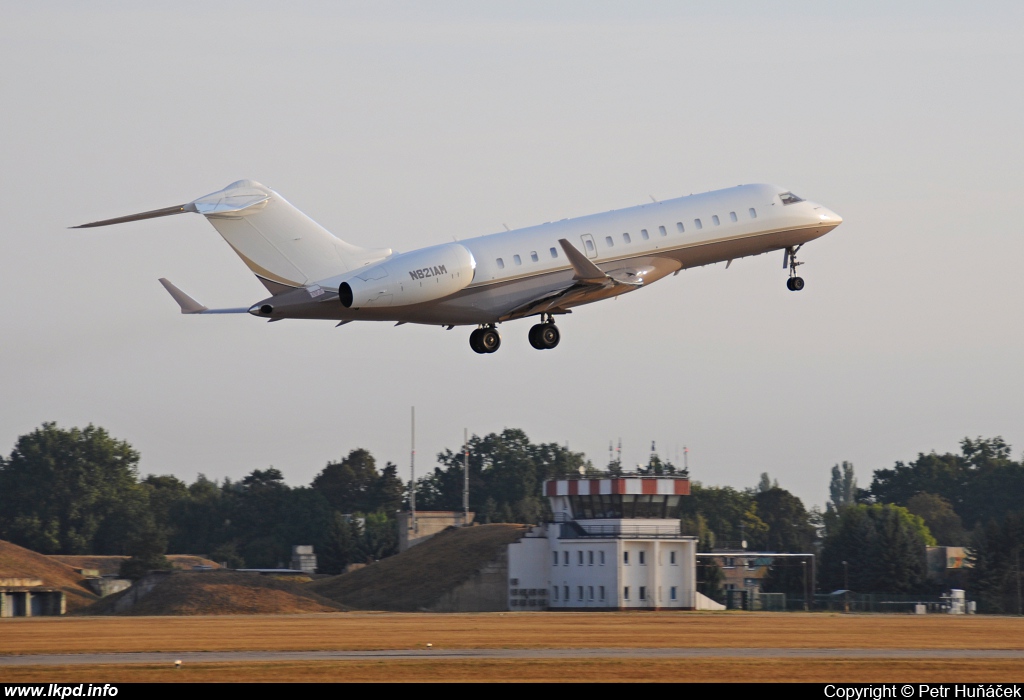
(280, 244)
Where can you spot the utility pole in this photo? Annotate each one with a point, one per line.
(412, 474)
(465, 482)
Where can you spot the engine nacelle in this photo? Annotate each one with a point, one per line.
(410, 278)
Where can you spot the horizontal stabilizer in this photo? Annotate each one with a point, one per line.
(191, 306)
(585, 270)
(155, 214)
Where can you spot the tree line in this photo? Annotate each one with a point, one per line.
(78, 491)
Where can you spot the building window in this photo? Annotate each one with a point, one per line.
(698, 224)
(579, 592)
(643, 234)
(554, 253)
(714, 220)
(753, 213)
(519, 260)
(590, 592)
(608, 241)
(626, 238)
(679, 226)
(643, 561)
(590, 558)
(555, 562)
(555, 591)
(672, 593)
(601, 553)
(579, 558)
(733, 217)
(565, 558)
(600, 592)
(533, 256)
(625, 593)
(672, 558)
(501, 264)
(625, 558)
(643, 592)
(565, 592)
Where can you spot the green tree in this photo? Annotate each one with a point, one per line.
(729, 515)
(353, 484)
(842, 488)
(788, 526)
(942, 521)
(884, 547)
(995, 577)
(59, 487)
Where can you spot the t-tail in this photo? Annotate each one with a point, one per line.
(283, 247)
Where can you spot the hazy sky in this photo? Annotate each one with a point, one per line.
(403, 125)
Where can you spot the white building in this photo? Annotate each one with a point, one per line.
(615, 544)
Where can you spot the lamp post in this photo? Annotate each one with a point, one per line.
(846, 587)
(803, 564)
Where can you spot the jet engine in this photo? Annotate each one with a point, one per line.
(410, 278)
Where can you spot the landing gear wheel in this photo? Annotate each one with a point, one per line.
(795, 284)
(548, 336)
(488, 340)
(474, 342)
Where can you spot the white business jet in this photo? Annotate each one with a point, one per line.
(540, 271)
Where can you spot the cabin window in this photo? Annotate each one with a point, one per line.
(590, 244)
(533, 256)
(733, 217)
(715, 220)
(608, 240)
(626, 238)
(789, 198)
(753, 213)
(519, 260)
(554, 253)
(643, 234)
(698, 224)
(501, 264)
(679, 226)
(662, 231)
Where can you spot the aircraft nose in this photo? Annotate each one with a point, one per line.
(827, 216)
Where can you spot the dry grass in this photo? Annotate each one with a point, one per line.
(350, 631)
(413, 580)
(542, 671)
(218, 593)
(18, 562)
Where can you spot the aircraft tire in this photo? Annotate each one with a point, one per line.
(548, 336)
(489, 340)
(795, 284)
(474, 342)
(534, 336)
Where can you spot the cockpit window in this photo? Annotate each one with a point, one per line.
(789, 198)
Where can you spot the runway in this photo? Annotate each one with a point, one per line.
(196, 657)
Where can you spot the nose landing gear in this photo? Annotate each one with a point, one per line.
(795, 283)
(485, 340)
(545, 335)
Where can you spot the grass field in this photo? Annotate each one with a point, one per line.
(352, 631)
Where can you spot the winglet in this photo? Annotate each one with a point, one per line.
(188, 304)
(585, 270)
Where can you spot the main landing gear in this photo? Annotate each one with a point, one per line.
(795, 283)
(545, 335)
(485, 340)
